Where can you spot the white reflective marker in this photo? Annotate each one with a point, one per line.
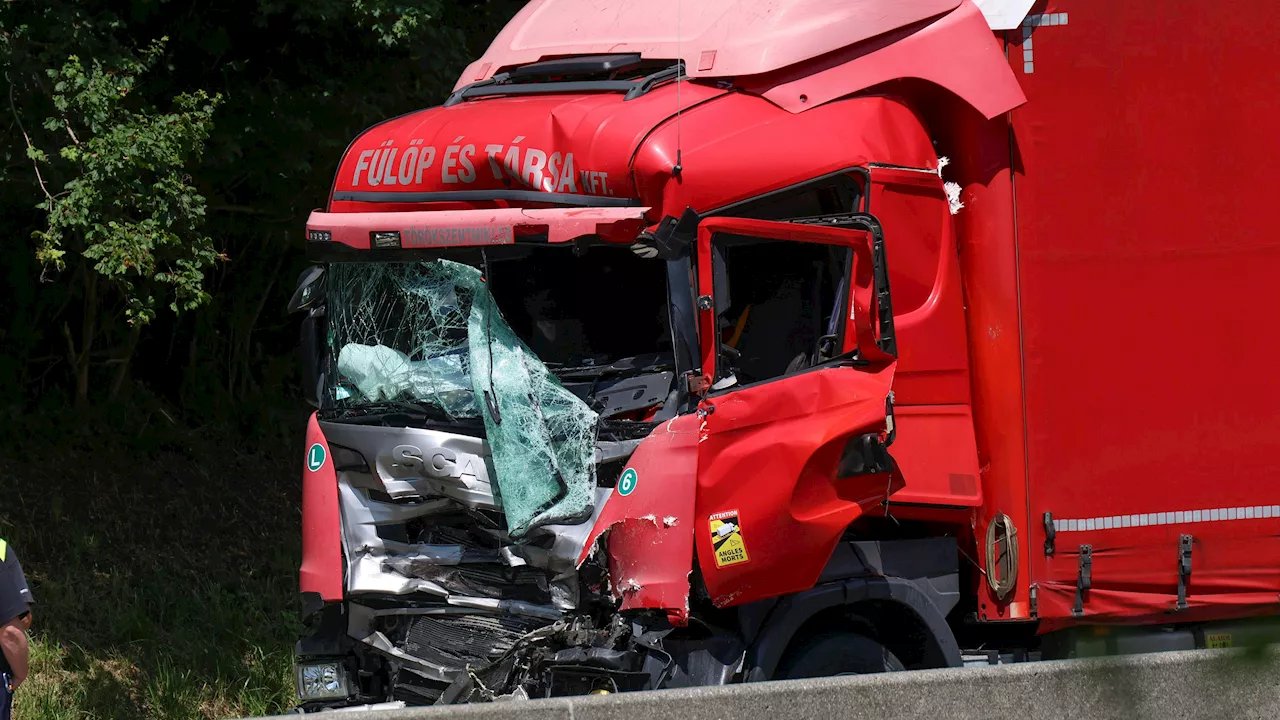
(1175, 517)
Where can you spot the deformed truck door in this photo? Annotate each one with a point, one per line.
(789, 454)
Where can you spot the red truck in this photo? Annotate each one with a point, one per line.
(724, 341)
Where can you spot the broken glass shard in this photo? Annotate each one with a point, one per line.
(430, 332)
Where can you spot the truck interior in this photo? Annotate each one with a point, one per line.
(583, 305)
(779, 305)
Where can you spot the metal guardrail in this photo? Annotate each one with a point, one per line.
(1207, 684)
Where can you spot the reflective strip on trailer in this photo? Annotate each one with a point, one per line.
(1178, 517)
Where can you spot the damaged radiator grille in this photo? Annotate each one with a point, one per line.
(466, 639)
(414, 690)
(521, 583)
(479, 580)
(439, 533)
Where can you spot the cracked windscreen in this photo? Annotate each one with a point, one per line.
(566, 336)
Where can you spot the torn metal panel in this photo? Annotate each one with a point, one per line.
(379, 566)
(650, 551)
(769, 466)
(439, 554)
(431, 477)
(365, 550)
(573, 542)
(477, 580)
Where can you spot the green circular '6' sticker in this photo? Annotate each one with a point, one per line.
(627, 483)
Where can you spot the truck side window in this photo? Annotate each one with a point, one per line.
(782, 305)
(824, 196)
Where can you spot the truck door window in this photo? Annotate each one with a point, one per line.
(829, 195)
(779, 305)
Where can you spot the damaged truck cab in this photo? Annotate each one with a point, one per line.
(669, 357)
(604, 354)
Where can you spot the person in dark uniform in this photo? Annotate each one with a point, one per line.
(15, 621)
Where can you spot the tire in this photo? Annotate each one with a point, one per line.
(839, 654)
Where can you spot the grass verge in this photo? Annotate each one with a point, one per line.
(163, 561)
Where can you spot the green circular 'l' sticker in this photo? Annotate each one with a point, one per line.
(315, 457)
(627, 483)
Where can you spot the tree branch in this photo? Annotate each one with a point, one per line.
(72, 355)
(34, 163)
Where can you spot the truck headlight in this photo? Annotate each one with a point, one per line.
(322, 681)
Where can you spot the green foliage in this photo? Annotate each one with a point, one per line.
(395, 21)
(127, 203)
(163, 184)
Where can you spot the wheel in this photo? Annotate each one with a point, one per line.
(839, 654)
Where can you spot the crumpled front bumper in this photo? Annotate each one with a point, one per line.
(432, 583)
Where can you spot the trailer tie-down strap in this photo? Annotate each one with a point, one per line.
(1084, 578)
(1184, 569)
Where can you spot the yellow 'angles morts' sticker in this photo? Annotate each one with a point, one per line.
(726, 539)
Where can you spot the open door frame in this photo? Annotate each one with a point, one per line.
(786, 464)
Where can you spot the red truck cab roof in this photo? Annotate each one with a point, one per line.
(714, 38)
(781, 95)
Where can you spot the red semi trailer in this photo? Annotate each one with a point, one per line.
(698, 343)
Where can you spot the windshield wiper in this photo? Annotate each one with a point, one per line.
(623, 367)
(377, 411)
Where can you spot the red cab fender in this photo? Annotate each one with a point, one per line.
(649, 522)
(321, 570)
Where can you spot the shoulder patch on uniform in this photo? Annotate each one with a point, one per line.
(4, 549)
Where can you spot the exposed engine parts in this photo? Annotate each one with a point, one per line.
(446, 607)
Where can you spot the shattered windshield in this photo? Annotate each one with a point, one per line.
(431, 338)
(398, 332)
(593, 316)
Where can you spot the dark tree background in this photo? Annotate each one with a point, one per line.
(159, 161)
(157, 164)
